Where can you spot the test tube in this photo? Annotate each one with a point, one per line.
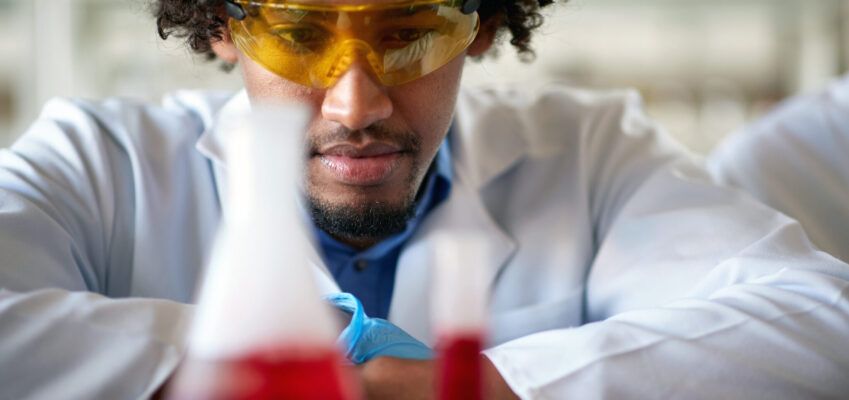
(459, 316)
(261, 330)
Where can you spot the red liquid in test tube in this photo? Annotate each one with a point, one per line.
(459, 316)
(459, 367)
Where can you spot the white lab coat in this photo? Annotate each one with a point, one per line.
(796, 159)
(617, 270)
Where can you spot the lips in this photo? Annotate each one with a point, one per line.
(360, 165)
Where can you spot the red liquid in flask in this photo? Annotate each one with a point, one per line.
(298, 374)
(459, 367)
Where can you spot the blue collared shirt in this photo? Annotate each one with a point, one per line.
(370, 274)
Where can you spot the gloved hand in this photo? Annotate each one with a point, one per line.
(365, 338)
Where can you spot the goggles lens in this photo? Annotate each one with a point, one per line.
(314, 44)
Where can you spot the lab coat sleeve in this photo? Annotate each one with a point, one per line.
(63, 239)
(695, 291)
(795, 159)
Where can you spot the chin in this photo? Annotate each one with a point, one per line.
(361, 218)
(363, 199)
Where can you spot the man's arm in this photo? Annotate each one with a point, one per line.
(695, 291)
(796, 159)
(57, 344)
(396, 378)
(63, 237)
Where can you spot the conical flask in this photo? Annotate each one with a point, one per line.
(260, 329)
(459, 317)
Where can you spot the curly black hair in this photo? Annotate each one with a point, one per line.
(200, 22)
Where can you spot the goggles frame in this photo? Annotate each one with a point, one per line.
(237, 12)
(431, 40)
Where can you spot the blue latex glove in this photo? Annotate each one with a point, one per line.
(365, 338)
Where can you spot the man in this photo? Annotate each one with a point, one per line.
(616, 268)
(795, 159)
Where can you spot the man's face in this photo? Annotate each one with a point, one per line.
(369, 146)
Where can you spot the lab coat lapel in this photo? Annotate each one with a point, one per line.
(463, 215)
(486, 142)
(488, 138)
(323, 279)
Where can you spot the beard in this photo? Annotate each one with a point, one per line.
(367, 220)
(371, 221)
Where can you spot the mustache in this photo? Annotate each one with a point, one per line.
(406, 140)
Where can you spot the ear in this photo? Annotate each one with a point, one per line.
(486, 36)
(225, 49)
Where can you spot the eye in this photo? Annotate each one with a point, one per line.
(301, 37)
(405, 36)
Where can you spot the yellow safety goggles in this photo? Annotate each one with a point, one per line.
(313, 43)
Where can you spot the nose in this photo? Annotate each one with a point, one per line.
(357, 100)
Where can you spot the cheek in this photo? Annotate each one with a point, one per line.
(427, 104)
(261, 84)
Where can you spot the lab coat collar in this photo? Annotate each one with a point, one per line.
(487, 141)
(839, 91)
(463, 215)
(489, 138)
(212, 140)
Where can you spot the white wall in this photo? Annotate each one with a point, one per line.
(704, 67)
(92, 49)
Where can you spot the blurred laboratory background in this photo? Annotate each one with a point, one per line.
(703, 67)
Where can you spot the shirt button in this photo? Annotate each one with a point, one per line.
(361, 265)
